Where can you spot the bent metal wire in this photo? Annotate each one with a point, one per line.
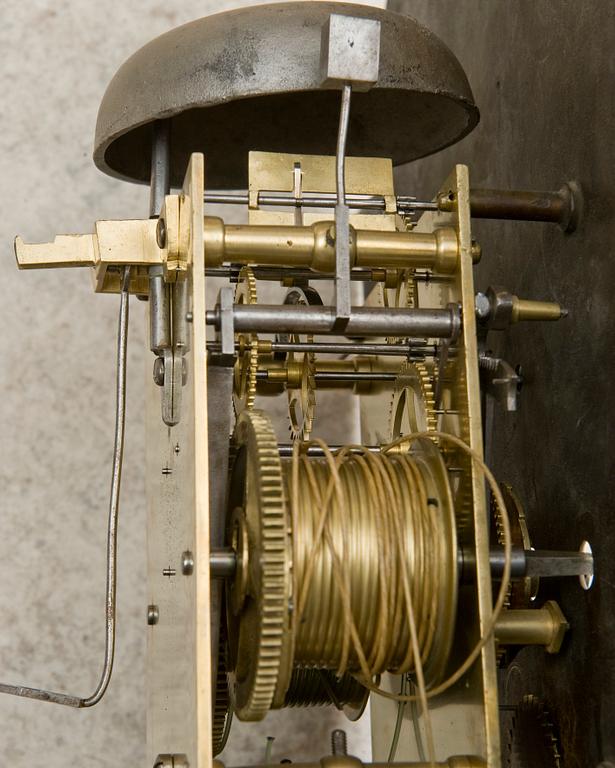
(114, 508)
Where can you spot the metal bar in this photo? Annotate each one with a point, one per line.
(542, 563)
(342, 221)
(220, 197)
(318, 200)
(284, 273)
(546, 564)
(563, 207)
(281, 274)
(466, 560)
(160, 178)
(342, 136)
(286, 450)
(364, 321)
(222, 562)
(321, 377)
(560, 207)
(159, 312)
(114, 504)
(518, 562)
(160, 184)
(357, 349)
(341, 761)
(403, 350)
(413, 349)
(520, 205)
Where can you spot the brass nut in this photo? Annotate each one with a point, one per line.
(476, 251)
(560, 626)
(447, 250)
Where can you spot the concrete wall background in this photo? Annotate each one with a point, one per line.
(56, 416)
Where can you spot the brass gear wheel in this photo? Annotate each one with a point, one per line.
(222, 713)
(402, 296)
(302, 401)
(246, 366)
(531, 739)
(413, 402)
(521, 591)
(405, 295)
(259, 602)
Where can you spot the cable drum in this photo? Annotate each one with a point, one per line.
(346, 569)
(389, 518)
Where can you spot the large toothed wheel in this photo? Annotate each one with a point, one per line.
(521, 591)
(413, 402)
(260, 597)
(531, 741)
(246, 367)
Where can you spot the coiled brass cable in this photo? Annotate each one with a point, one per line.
(371, 561)
(389, 520)
(489, 626)
(334, 490)
(321, 687)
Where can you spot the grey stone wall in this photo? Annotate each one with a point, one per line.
(56, 415)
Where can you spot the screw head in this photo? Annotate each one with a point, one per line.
(161, 233)
(586, 580)
(159, 371)
(152, 615)
(482, 306)
(187, 563)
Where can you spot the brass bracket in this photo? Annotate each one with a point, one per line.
(140, 243)
(175, 217)
(275, 172)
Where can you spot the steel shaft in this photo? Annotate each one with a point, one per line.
(364, 321)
